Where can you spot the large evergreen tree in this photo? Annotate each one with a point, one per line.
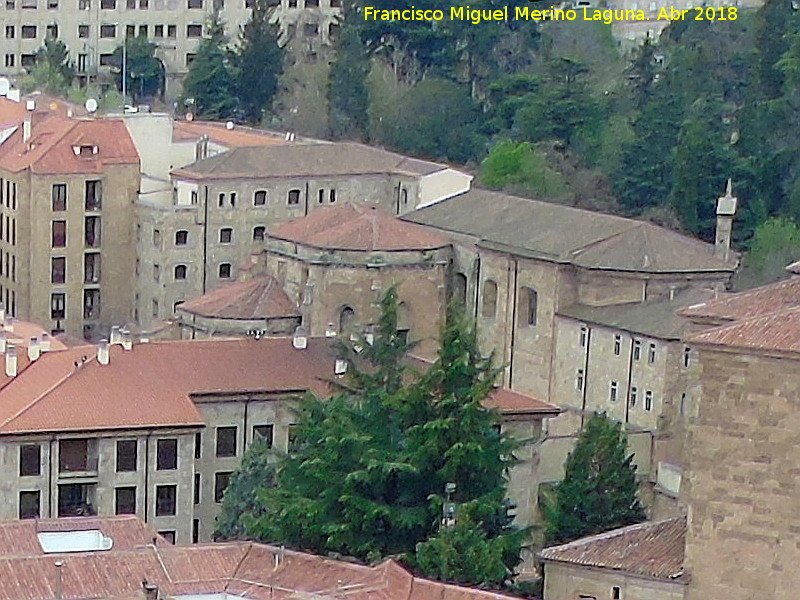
(210, 82)
(259, 61)
(53, 71)
(599, 489)
(144, 72)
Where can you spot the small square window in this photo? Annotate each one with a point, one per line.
(194, 31)
(225, 235)
(180, 272)
(294, 197)
(168, 535)
(108, 4)
(266, 432)
(83, 31)
(167, 455)
(181, 237)
(259, 233)
(172, 31)
(108, 31)
(158, 31)
(225, 271)
(29, 32)
(260, 198)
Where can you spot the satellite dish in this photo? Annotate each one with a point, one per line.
(229, 125)
(5, 86)
(91, 105)
(189, 117)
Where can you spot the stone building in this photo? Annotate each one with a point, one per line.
(67, 191)
(93, 29)
(638, 562)
(218, 211)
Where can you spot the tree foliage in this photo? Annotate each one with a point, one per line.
(144, 72)
(348, 95)
(53, 72)
(367, 473)
(599, 489)
(775, 244)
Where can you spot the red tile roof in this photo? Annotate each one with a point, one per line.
(652, 549)
(53, 137)
(258, 298)
(351, 227)
(239, 136)
(241, 569)
(755, 302)
(778, 331)
(509, 403)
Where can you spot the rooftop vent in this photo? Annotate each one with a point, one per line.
(300, 338)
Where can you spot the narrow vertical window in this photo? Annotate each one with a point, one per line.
(614, 391)
(617, 345)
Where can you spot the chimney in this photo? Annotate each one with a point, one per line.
(11, 360)
(300, 338)
(150, 590)
(116, 335)
(26, 129)
(44, 341)
(59, 580)
(330, 330)
(726, 209)
(2, 341)
(8, 323)
(34, 350)
(2, 312)
(102, 352)
(127, 340)
(340, 367)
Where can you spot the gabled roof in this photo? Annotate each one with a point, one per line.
(50, 149)
(183, 131)
(300, 159)
(776, 331)
(569, 235)
(652, 549)
(260, 297)
(509, 403)
(352, 227)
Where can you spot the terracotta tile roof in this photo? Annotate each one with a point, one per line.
(50, 148)
(652, 549)
(351, 227)
(777, 331)
(298, 160)
(52, 394)
(754, 302)
(11, 113)
(258, 298)
(239, 136)
(570, 235)
(240, 569)
(509, 402)
(18, 538)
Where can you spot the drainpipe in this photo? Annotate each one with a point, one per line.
(585, 374)
(513, 297)
(477, 270)
(205, 237)
(630, 381)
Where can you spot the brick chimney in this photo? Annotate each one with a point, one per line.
(11, 360)
(726, 209)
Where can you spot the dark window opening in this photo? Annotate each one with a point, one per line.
(126, 456)
(180, 272)
(221, 481)
(225, 235)
(77, 455)
(166, 500)
(266, 432)
(58, 269)
(58, 303)
(30, 460)
(226, 441)
(125, 501)
(91, 304)
(76, 500)
(59, 234)
(260, 198)
(167, 455)
(29, 505)
(59, 197)
(259, 233)
(225, 271)
(294, 196)
(94, 189)
(92, 232)
(91, 267)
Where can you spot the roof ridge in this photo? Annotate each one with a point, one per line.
(580, 249)
(612, 533)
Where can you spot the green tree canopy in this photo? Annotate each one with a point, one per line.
(144, 72)
(53, 72)
(599, 490)
(348, 95)
(776, 244)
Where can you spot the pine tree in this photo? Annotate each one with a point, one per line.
(259, 61)
(348, 96)
(53, 71)
(599, 489)
(210, 82)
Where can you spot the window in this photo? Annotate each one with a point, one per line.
(59, 197)
(125, 501)
(260, 198)
(198, 444)
(167, 454)
(225, 271)
(347, 320)
(29, 505)
(332, 196)
(194, 31)
(294, 197)
(195, 530)
(58, 269)
(615, 593)
(30, 460)
(108, 4)
(321, 196)
(651, 354)
(155, 308)
(221, 481)
(143, 30)
(27, 60)
(648, 400)
(195, 3)
(190, 56)
(584, 338)
(10, 60)
(92, 232)
(10, 32)
(196, 498)
(59, 238)
(684, 405)
(613, 392)
(489, 308)
(28, 32)
(225, 235)
(172, 31)
(168, 535)
(77, 455)
(579, 380)
(226, 442)
(84, 4)
(83, 31)
(637, 349)
(91, 304)
(52, 30)
(106, 60)
(266, 432)
(94, 192)
(108, 31)
(310, 29)
(233, 199)
(126, 456)
(291, 437)
(180, 272)
(181, 237)
(156, 273)
(687, 355)
(258, 233)
(58, 303)
(76, 500)
(158, 31)
(10, 4)
(634, 397)
(166, 500)
(617, 345)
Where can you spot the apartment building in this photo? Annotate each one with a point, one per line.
(66, 206)
(93, 29)
(195, 238)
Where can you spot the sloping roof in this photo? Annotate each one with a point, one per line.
(509, 402)
(184, 131)
(570, 235)
(658, 319)
(260, 297)
(19, 538)
(300, 160)
(50, 148)
(241, 569)
(754, 302)
(352, 227)
(52, 394)
(776, 331)
(652, 549)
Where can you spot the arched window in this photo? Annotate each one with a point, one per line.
(489, 308)
(260, 198)
(459, 292)
(180, 272)
(258, 233)
(528, 306)
(347, 320)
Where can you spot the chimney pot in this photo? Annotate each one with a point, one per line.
(44, 341)
(127, 340)
(116, 336)
(11, 360)
(34, 350)
(103, 354)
